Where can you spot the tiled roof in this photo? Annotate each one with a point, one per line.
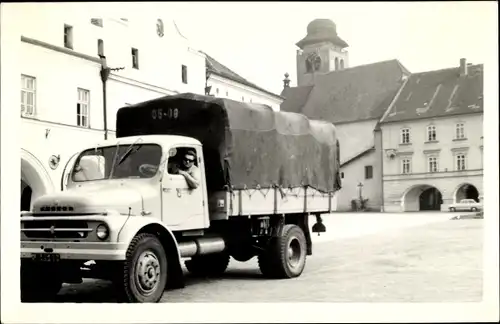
(214, 66)
(296, 98)
(439, 93)
(354, 94)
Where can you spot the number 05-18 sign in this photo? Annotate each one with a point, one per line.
(161, 113)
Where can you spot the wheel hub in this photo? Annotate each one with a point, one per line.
(294, 253)
(148, 271)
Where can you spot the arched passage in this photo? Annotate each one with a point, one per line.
(422, 198)
(35, 181)
(466, 191)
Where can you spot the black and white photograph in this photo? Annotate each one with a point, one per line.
(249, 162)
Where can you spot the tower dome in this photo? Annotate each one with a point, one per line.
(322, 30)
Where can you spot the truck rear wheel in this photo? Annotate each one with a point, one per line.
(145, 270)
(285, 256)
(208, 265)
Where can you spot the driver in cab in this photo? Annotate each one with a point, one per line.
(188, 169)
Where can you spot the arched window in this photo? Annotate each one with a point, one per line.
(341, 64)
(336, 63)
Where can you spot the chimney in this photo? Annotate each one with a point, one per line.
(286, 81)
(463, 67)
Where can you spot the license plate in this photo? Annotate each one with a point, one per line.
(45, 257)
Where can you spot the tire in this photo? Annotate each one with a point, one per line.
(452, 209)
(144, 274)
(473, 209)
(285, 256)
(39, 283)
(210, 265)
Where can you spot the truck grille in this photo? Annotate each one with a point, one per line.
(53, 229)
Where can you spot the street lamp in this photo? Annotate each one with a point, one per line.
(105, 70)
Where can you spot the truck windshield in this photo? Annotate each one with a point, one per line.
(117, 162)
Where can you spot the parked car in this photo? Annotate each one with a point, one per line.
(466, 204)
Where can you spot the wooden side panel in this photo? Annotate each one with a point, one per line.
(269, 201)
(291, 200)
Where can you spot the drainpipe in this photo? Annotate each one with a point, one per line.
(105, 70)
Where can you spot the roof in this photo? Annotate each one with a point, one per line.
(439, 93)
(320, 30)
(214, 66)
(357, 156)
(353, 94)
(296, 98)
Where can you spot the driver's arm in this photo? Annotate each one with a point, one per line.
(192, 179)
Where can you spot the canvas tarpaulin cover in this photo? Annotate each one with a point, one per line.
(245, 145)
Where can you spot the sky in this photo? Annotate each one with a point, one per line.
(257, 39)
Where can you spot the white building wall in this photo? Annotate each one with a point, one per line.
(447, 179)
(53, 130)
(224, 88)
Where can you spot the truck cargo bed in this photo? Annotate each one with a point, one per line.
(268, 201)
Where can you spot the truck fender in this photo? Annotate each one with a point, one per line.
(136, 225)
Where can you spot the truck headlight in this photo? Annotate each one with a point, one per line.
(102, 231)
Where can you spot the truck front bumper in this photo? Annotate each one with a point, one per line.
(75, 250)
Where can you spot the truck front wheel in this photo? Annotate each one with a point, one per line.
(208, 265)
(285, 256)
(145, 270)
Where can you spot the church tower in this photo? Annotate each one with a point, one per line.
(321, 51)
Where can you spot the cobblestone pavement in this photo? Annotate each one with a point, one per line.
(434, 262)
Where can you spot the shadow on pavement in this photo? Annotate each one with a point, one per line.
(101, 291)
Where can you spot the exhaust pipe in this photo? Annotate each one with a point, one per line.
(201, 246)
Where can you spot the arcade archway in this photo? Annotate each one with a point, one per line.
(422, 198)
(35, 181)
(466, 191)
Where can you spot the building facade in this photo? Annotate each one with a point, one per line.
(353, 99)
(62, 95)
(225, 83)
(432, 139)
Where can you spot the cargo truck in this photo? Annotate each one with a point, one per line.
(123, 206)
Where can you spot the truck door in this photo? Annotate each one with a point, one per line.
(183, 207)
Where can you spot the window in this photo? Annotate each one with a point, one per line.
(68, 36)
(95, 163)
(336, 63)
(100, 47)
(341, 64)
(96, 22)
(135, 58)
(368, 171)
(460, 131)
(432, 164)
(342, 175)
(460, 161)
(227, 93)
(405, 166)
(431, 133)
(405, 136)
(184, 74)
(217, 91)
(28, 96)
(185, 156)
(82, 108)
